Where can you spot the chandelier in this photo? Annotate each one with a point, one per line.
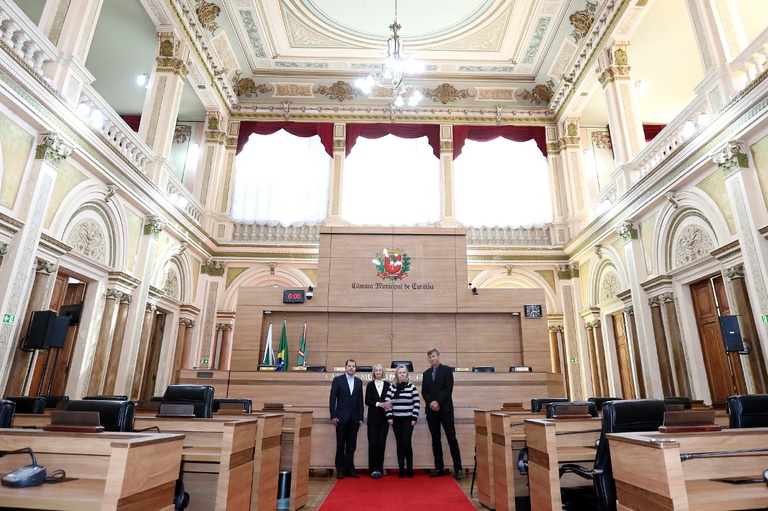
(393, 70)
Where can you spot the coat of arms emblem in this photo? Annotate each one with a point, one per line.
(392, 264)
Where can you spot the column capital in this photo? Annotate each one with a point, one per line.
(47, 267)
(667, 297)
(52, 149)
(154, 225)
(735, 272)
(629, 310)
(568, 271)
(732, 157)
(3, 249)
(654, 301)
(213, 268)
(150, 307)
(627, 230)
(170, 58)
(186, 322)
(114, 294)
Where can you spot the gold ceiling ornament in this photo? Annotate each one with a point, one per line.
(339, 91)
(247, 87)
(207, 14)
(582, 20)
(447, 93)
(540, 93)
(182, 133)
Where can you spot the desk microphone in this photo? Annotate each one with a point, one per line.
(24, 477)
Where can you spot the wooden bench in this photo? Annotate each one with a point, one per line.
(651, 475)
(112, 470)
(552, 442)
(225, 455)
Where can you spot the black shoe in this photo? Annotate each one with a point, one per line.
(410, 474)
(401, 474)
(437, 473)
(354, 475)
(459, 475)
(339, 475)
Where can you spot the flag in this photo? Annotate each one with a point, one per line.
(269, 354)
(302, 360)
(282, 351)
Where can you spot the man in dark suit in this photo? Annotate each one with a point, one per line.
(346, 406)
(437, 389)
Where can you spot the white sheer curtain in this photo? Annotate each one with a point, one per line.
(391, 181)
(281, 179)
(501, 183)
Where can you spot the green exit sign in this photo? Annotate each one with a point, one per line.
(765, 318)
(9, 318)
(574, 360)
(203, 361)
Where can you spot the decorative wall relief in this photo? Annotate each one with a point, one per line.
(582, 20)
(182, 133)
(207, 14)
(609, 287)
(540, 93)
(338, 91)
(447, 93)
(87, 238)
(247, 87)
(692, 244)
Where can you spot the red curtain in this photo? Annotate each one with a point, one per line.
(651, 130)
(486, 133)
(431, 131)
(132, 121)
(300, 129)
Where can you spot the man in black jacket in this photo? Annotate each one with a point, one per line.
(437, 389)
(346, 405)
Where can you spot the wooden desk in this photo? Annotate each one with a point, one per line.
(296, 448)
(507, 438)
(217, 460)
(650, 475)
(113, 470)
(309, 391)
(550, 443)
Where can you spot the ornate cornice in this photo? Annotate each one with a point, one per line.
(656, 283)
(732, 157)
(127, 282)
(154, 225)
(735, 272)
(212, 267)
(52, 149)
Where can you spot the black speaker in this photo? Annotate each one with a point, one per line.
(38, 329)
(46, 330)
(73, 312)
(729, 326)
(57, 333)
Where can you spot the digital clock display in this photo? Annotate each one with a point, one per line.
(293, 296)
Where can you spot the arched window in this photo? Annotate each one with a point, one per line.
(391, 181)
(502, 183)
(281, 179)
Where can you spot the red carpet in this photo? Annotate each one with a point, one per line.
(391, 493)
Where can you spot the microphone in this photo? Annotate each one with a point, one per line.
(24, 477)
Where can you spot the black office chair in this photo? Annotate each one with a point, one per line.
(115, 416)
(748, 411)
(28, 404)
(6, 413)
(636, 415)
(553, 407)
(316, 369)
(55, 401)
(247, 404)
(201, 396)
(104, 397)
(600, 400)
(539, 403)
(483, 369)
(679, 400)
(364, 369)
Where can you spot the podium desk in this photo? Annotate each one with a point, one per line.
(652, 473)
(309, 391)
(111, 470)
(552, 442)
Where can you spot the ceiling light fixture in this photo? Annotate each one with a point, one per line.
(393, 70)
(142, 79)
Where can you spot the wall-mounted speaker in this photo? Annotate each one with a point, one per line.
(729, 326)
(46, 330)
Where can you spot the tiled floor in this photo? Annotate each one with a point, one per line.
(320, 485)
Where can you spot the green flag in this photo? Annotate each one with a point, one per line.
(302, 360)
(282, 351)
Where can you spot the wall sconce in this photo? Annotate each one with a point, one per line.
(310, 292)
(474, 291)
(142, 79)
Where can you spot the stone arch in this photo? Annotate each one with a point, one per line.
(517, 278)
(263, 276)
(175, 275)
(93, 216)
